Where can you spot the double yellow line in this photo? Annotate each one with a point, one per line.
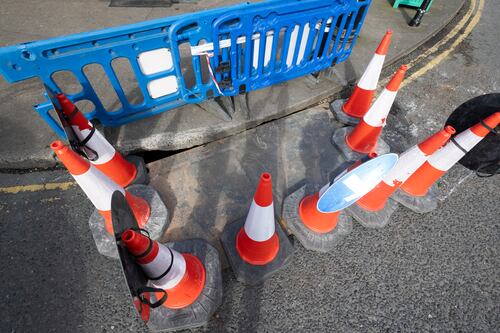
(37, 187)
(466, 24)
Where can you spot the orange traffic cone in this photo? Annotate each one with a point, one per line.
(257, 242)
(364, 137)
(316, 220)
(442, 160)
(408, 163)
(359, 102)
(182, 276)
(108, 160)
(99, 188)
(256, 246)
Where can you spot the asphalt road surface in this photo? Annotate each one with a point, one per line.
(431, 272)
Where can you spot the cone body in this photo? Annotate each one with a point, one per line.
(443, 159)
(182, 276)
(309, 213)
(364, 137)
(109, 161)
(98, 187)
(257, 242)
(314, 219)
(361, 98)
(408, 163)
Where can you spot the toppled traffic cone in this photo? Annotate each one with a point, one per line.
(182, 276)
(148, 209)
(418, 187)
(316, 230)
(173, 286)
(357, 105)
(375, 208)
(365, 137)
(100, 152)
(257, 247)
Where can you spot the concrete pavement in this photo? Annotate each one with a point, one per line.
(189, 125)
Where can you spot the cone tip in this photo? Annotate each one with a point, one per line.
(61, 97)
(65, 102)
(128, 236)
(57, 145)
(449, 129)
(266, 177)
(397, 78)
(384, 43)
(264, 194)
(74, 163)
(134, 241)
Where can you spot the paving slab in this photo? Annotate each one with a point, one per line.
(190, 125)
(206, 187)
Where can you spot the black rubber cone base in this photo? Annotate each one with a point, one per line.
(421, 205)
(340, 115)
(202, 310)
(161, 318)
(156, 225)
(309, 239)
(142, 176)
(254, 274)
(368, 219)
(338, 140)
(485, 156)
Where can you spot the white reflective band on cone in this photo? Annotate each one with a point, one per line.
(160, 264)
(98, 143)
(408, 163)
(259, 225)
(371, 75)
(450, 154)
(98, 188)
(378, 112)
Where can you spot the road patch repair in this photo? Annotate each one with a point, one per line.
(274, 173)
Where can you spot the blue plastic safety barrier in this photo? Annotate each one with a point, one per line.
(228, 51)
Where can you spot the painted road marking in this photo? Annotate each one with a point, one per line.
(37, 187)
(440, 57)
